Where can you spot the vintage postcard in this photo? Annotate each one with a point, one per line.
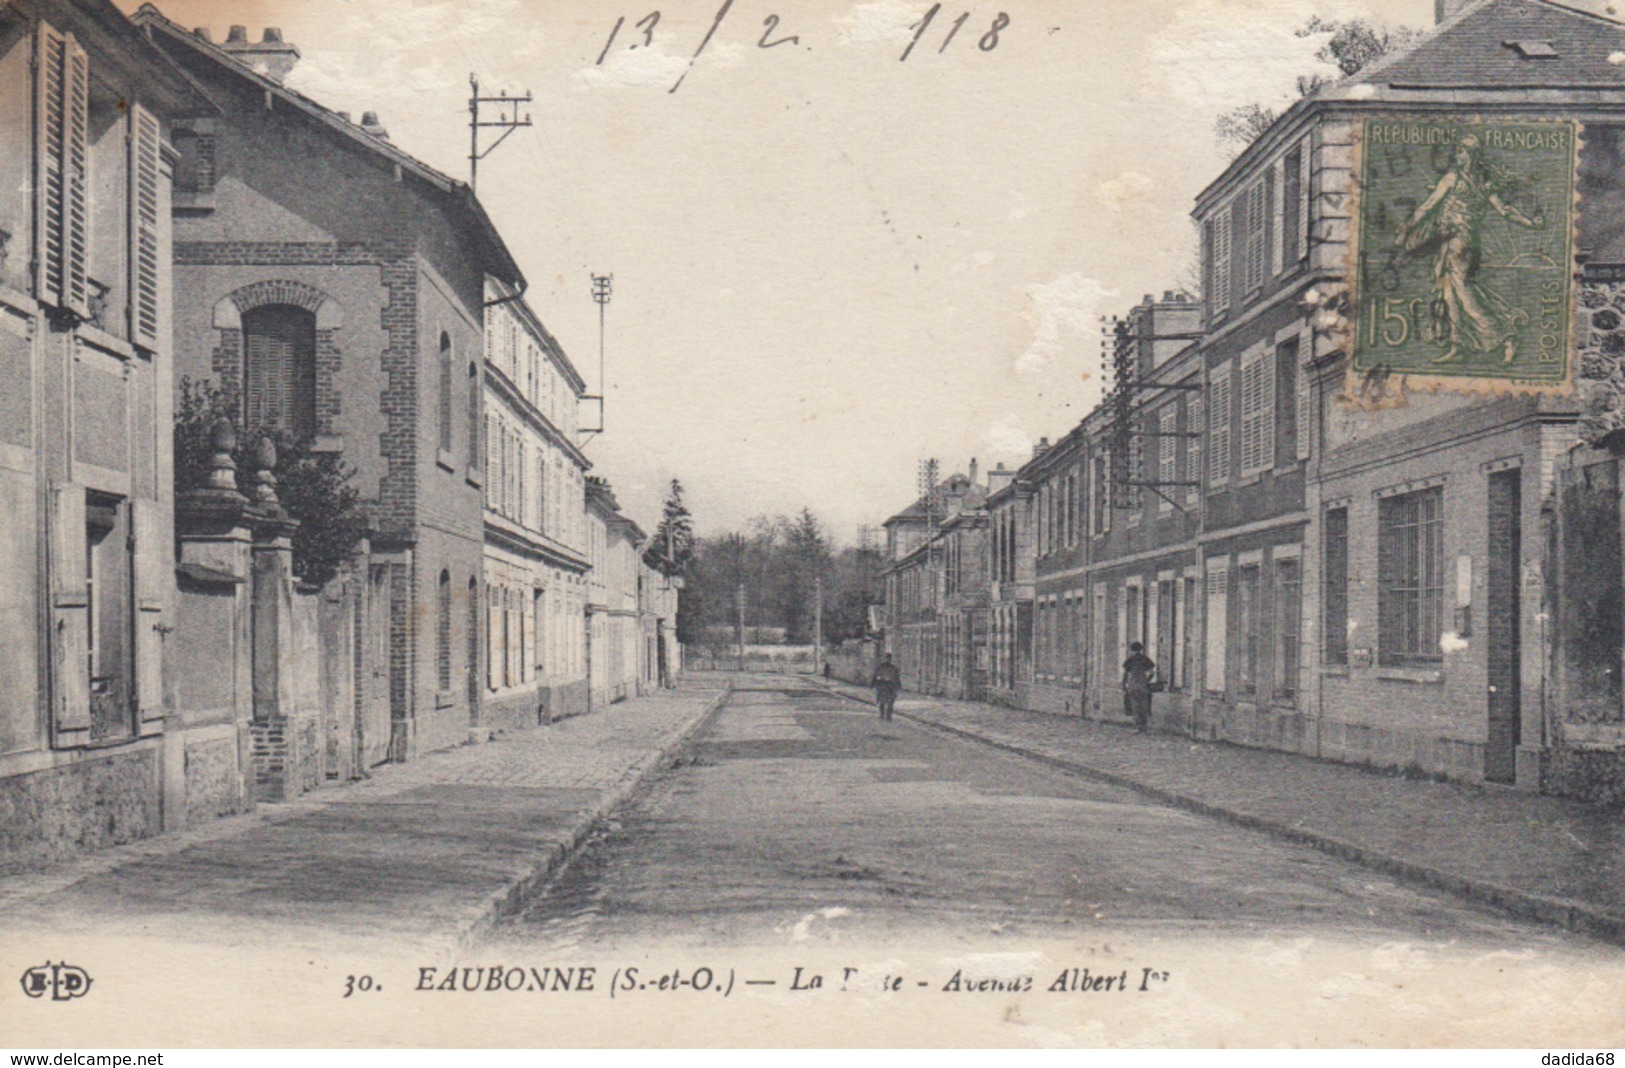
(856, 523)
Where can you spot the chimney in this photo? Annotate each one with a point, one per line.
(371, 125)
(1449, 9)
(1041, 448)
(202, 33)
(998, 478)
(973, 470)
(272, 57)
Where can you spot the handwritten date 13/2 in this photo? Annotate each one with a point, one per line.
(643, 34)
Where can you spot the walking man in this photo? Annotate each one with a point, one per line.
(887, 681)
(1137, 672)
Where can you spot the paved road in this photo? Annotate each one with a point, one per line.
(798, 816)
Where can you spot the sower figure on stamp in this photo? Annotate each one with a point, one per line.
(887, 681)
(1468, 312)
(1137, 672)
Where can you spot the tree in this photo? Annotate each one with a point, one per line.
(674, 541)
(314, 488)
(1353, 45)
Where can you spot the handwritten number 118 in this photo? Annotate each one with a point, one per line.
(987, 43)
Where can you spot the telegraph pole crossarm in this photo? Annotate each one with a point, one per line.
(508, 120)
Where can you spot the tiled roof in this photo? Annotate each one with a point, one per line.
(1478, 49)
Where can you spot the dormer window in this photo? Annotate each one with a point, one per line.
(1532, 49)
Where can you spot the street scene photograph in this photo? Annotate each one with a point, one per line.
(534, 524)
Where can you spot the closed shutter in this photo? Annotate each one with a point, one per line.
(144, 155)
(1219, 426)
(1306, 225)
(1305, 396)
(50, 127)
(1218, 633)
(1222, 234)
(1277, 214)
(70, 617)
(1255, 237)
(76, 179)
(1257, 422)
(1195, 415)
(150, 567)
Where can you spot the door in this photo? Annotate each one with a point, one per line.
(374, 727)
(1502, 627)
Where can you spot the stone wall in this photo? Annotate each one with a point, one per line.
(48, 815)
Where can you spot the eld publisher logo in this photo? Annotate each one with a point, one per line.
(63, 982)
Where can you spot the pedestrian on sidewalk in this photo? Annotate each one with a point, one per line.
(1138, 670)
(887, 681)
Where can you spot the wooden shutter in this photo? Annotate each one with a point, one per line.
(76, 179)
(143, 215)
(151, 564)
(1222, 234)
(1219, 425)
(50, 126)
(1195, 420)
(1218, 631)
(1277, 215)
(1305, 395)
(70, 617)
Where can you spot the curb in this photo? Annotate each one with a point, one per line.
(1570, 915)
(531, 876)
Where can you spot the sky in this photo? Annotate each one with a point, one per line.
(828, 263)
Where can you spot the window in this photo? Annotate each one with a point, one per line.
(1222, 235)
(1167, 424)
(1288, 620)
(1336, 581)
(1170, 667)
(279, 372)
(1218, 430)
(1246, 629)
(474, 418)
(1288, 397)
(1303, 396)
(1195, 413)
(1257, 414)
(109, 589)
(1102, 501)
(445, 391)
(1410, 577)
(1218, 632)
(1253, 200)
(442, 632)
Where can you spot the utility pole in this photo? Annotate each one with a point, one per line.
(739, 621)
(602, 289)
(818, 624)
(507, 120)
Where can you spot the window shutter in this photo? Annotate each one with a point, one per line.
(1291, 208)
(1218, 631)
(1305, 397)
(1195, 413)
(1219, 426)
(70, 617)
(50, 127)
(76, 179)
(1277, 215)
(1255, 238)
(1305, 223)
(143, 215)
(1167, 426)
(1222, 234)
(149, 561)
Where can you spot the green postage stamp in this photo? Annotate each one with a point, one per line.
(1464, 253)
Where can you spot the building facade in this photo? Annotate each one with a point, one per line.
(615, 641)
(329, 279)
(1057, 474)
(1010, 588)
(536, 558)
(91, 751)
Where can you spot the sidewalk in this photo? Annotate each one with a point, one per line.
(1537, 857)
(422, 855)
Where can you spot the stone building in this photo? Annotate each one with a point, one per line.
(936, 588)
(1057, 474)
(91, 752)
(1143, 574)
(1010, 588)
(614, 622)
(535, 523)
(328, 281)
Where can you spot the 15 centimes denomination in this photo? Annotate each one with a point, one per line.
(1462, 259)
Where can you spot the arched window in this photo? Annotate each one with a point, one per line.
(445, 391)
(279, 369)
(442, 633)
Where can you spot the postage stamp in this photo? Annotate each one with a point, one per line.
(1462, 252)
